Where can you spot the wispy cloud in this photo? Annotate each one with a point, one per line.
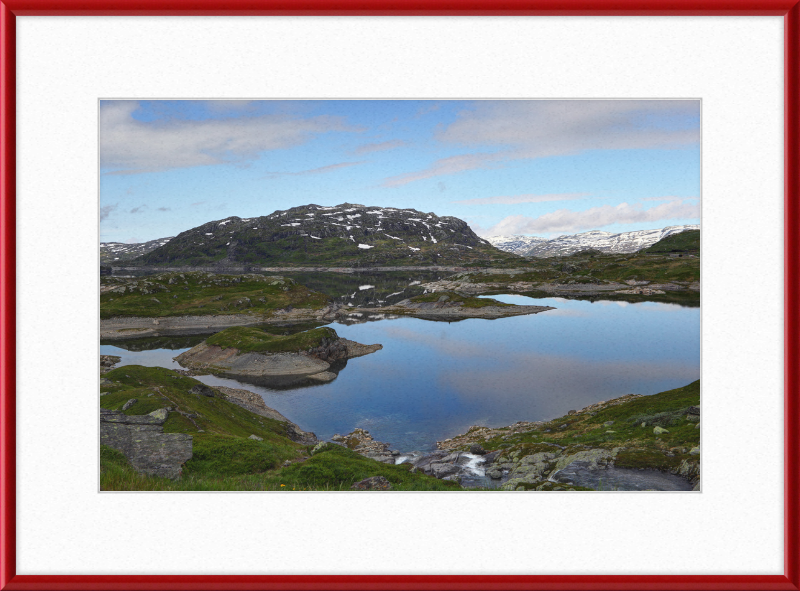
(106, 210)
(564, 220)
(320, 170)
(514, 199)
(138, 209)
(537, 129)
(130, 146)
(197, 204)
(424, 110)
(450, 165)
(380, 147)
(164, 208)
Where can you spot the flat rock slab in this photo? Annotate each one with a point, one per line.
(142, 440)
(276, 370)
(230, 361)
(611, 478)
(421, 310)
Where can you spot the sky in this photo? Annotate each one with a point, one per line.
(527, 167)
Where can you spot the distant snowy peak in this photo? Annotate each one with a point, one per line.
(516, 244)
(111, 252)
(624, 242)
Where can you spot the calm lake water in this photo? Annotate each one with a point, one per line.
(433, 380)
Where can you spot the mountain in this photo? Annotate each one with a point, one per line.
(624, 242)
(346, 235)
(117, 252)
(516, 244)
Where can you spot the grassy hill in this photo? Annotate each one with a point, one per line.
(684, 242)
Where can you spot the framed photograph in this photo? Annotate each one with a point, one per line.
(397, 296)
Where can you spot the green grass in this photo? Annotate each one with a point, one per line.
(223, 455)
(252, 340)
(193, 413)
(642, 447)
(340, 467)
(334, 470)
(582, 268)
(688, 241)
(197, 293)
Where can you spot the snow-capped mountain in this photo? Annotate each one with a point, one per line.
(624, 242)
(117, 252)
(520, 245)
(347, 235)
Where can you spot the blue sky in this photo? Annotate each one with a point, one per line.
(540, 168)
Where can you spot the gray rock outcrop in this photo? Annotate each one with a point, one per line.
(107, 362)
(372, 483)
(142, 440)
(255, 403)
(283, 369)
(360, 441)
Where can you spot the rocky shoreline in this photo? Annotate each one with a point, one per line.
(630, 287)
(547, 466)
(578, 451)
(120, 328)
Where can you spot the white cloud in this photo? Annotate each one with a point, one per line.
(319, 170)
(537, 129)
(514, 199)
(131, 146)
(564, 220)
(451, 165)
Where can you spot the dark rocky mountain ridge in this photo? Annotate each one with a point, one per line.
(344, 235)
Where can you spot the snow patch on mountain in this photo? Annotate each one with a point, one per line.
(622, 242)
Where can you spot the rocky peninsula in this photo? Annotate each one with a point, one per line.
(258, 357)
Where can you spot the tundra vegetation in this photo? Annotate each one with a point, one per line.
(226, 456)
(200, 293)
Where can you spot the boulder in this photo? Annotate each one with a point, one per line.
(129, 404)
(202, 390)
(256, 437)
(659, 430)
(477, 449)
(372, 483)
(142, 440)
(159, 415)
(321, 446)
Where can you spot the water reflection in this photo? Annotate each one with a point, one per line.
(434, 380)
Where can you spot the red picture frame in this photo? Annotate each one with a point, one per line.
(789, 9)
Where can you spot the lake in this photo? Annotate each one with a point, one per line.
(433, 380)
